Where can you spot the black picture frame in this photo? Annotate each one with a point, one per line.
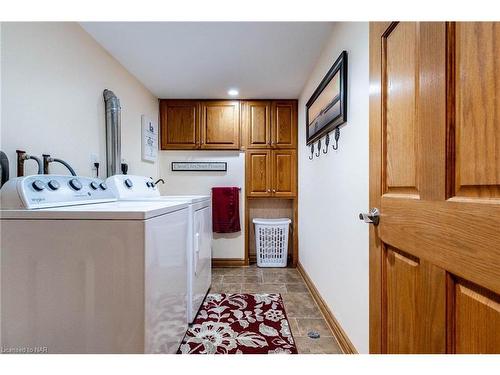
(334, 113)
(210, 166)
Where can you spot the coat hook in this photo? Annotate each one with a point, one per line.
(337, 136)
(319, 148)
(327, 142)
(312, 152)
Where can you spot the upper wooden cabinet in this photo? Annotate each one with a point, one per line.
(284, 124)
(257, 123)
(179, 120)
(215, 124)
(220, 124)
(270, 124)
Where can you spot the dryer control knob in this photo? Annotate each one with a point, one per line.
(94, 185)
(54, 185)
(128, 183)
(38, 185)
(75, 184)
(103, 186)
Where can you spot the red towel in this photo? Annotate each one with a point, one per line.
(226, 209)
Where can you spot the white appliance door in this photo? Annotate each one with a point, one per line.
(202, 262)
(166, 282)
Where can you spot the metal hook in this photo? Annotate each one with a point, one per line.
(319, 148)
(327, 142)
(312, 152)
(337, 136)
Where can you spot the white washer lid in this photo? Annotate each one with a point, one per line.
(121, 210)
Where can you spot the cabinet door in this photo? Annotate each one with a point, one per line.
(220, 125)
(284, 173)
(258, 173)
(284, 124)
(179, 124)
(257, 124)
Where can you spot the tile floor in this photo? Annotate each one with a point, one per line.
(303, 313)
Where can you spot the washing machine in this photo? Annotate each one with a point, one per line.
(199, 255)
(84, 273)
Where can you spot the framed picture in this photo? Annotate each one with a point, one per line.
(327, 107)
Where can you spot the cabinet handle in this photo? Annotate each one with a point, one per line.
(274, 190)
(268, 190)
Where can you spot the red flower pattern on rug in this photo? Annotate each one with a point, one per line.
(240, 324)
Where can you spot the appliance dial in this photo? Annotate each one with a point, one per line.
(38, 185)
(75, 184)
(128, 183)
(94, 185)
(103, 186)
(54, 185)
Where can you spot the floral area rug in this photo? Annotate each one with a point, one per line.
(240, 324)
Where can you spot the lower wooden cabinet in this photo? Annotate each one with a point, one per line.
(271, 173)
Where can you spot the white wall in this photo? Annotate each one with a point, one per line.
(333, 189)
(230, 245)
(53, 76)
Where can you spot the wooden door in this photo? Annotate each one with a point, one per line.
(284, 182)
(258, 173)
(435, 176)
(179, 121)
(284, 124)
(257, 120)
(220, 124)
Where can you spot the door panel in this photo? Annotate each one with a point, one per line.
(220, 123)
(258, 123)
(284, 124)
(284, 175)
(476, 312)
(400, 70)
(179, 124)
(414, 288)
(435, 176)
(477, 120)
(258, 173)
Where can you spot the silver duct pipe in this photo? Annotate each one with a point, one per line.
(113, 133)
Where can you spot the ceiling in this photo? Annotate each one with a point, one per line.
(206, 59)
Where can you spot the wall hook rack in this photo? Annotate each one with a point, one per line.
(327, 142)
(337, 136)
(312, 152)
(319, 149)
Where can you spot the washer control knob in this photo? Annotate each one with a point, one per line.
(54, 185)
(94, 185)
(75, 184)
(103, 186)
(38, 185)
(128, 183)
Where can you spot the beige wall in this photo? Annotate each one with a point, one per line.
(333, 189)
(53, 75)
(230, 245)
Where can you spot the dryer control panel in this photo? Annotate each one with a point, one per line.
(43, 191)
(127, 186)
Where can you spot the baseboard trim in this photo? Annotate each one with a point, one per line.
(229, 262)
(342, 338)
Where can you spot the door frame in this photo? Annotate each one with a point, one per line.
(375, 182)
